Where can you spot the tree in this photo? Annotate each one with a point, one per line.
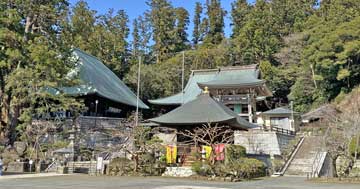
(215, 15)
(239, 12)
(210, 135)
(136, 38)
(162, 19)
(258, 39)
(33, 60)
(197, 22)
(182, 21)
(339, 134)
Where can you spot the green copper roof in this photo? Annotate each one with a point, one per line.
(191, 90)
(280, 110)
(202, 110)
(97, 79)
(237, 76)
(234, 78)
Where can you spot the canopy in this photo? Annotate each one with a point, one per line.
(202, 110)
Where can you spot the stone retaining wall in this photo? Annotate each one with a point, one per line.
(262, 142)
(178, 172)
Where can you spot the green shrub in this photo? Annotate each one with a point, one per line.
(234, 152)
(202, 168)
(120, 167)
(245, 168)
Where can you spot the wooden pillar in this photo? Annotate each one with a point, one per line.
(250, 109)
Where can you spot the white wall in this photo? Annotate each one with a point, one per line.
(259, 141)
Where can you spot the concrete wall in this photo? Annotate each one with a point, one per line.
(167, 138)
(327, 168)
(262, 142)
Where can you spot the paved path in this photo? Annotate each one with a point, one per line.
(92, 182)
(20, 176)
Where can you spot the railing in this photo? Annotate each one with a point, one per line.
(239, 99)
(292, 156)
(280, 130)
(317, 163)
(54, 163)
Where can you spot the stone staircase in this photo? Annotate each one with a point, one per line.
(302, 164)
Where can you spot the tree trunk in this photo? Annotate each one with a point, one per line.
(333, 159)
(136, 162)
(14, 116)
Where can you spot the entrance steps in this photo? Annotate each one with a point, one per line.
(307, 155)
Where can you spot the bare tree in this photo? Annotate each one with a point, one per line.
(135, 141)
(341, 130)
(209, 135)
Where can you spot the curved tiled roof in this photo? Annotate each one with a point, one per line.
(236, 76)
(98, 79)
(202, 110)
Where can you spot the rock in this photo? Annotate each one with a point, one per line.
(228, 179)
(20, 147)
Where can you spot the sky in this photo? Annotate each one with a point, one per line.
(135, 8)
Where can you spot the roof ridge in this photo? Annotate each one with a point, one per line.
(88, 54)
(242, 67)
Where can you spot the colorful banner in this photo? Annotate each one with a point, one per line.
(171, 153)
(220, 152)
(207, 150)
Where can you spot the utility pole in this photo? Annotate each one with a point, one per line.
(182, 77)
(292, 115)
(137, 94)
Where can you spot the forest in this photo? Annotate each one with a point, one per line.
(308, 51)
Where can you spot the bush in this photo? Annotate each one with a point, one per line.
(120, 167)
(234, 152)
(150, 165)
(246, 168)
(202, 168)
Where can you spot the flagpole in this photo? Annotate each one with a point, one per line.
(138, 93)
(182, 77)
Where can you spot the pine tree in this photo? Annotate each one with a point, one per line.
(182, 22)
(135, 38)
(239, 12)
(162, 18)
(197, 22)
(82, 26)
(33, 59)
(215, 15)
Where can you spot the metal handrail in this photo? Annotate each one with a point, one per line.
(292, 156)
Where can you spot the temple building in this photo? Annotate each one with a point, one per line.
(280, 118)
(201, 111)
(239, 88)
(103, 92)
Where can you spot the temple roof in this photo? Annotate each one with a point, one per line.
(277, 111)
(202, 110)
(96, 78)
(324, 111)
(236, 76)
(191, 90)
(243, 76)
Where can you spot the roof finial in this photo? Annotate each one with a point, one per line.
(206, 90)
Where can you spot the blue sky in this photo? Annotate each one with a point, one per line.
(134, 8)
